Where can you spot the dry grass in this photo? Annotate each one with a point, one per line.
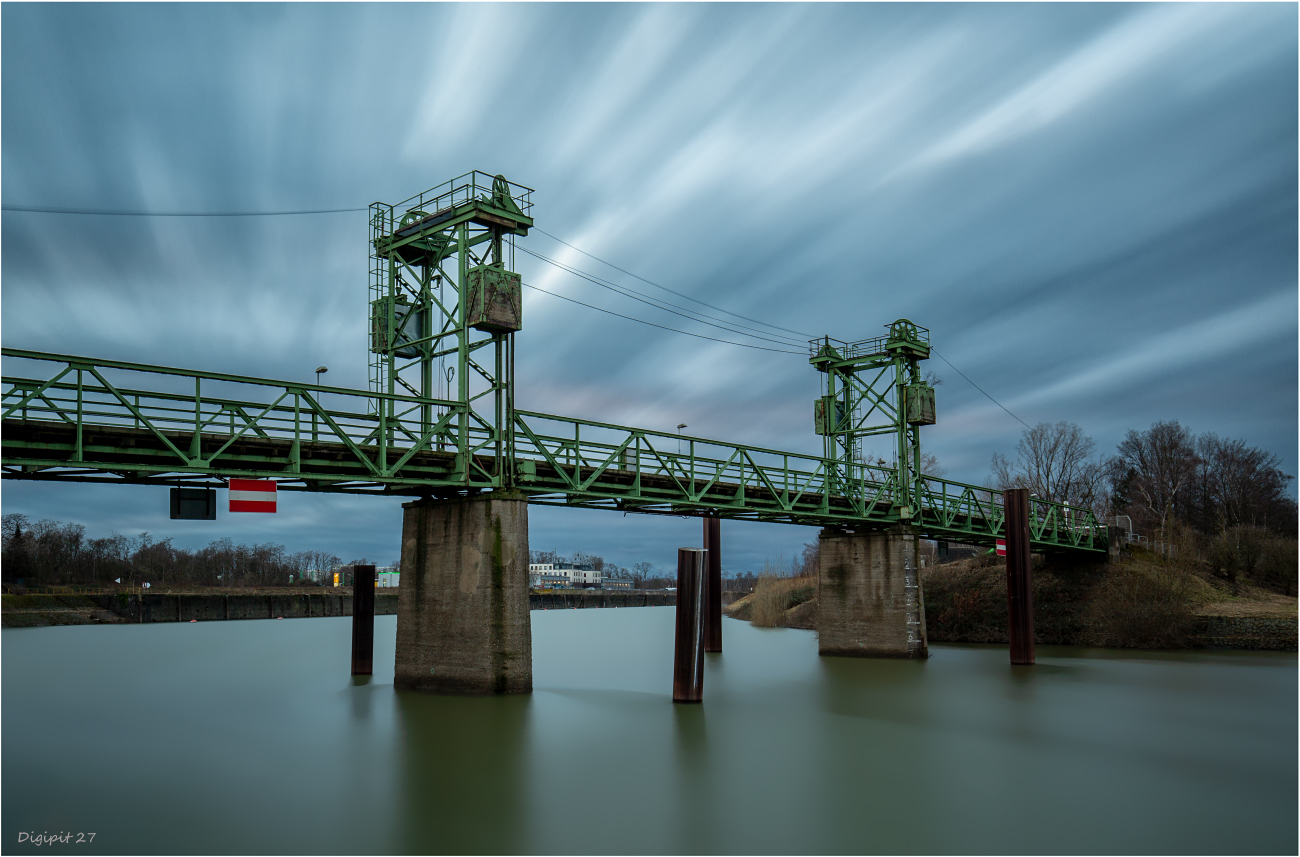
(1253, 602)
(769, 603)
(1142, 606)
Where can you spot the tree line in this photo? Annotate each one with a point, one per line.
(54, 553)
(1221, 498)
(1156, 477)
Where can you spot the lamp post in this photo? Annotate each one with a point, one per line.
(680, 426)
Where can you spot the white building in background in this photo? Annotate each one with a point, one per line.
(584, 576)
(546, 575)
(536, 570)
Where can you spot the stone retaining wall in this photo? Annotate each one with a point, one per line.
(1247, 632)
(600, 598)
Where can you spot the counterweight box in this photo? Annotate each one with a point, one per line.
(494, 299)
(827, 414)
(920, 404)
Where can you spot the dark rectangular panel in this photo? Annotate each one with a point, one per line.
(194, 504)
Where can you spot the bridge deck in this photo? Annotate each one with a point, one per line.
(77, 425)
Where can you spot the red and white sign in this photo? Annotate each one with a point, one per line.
(252, 495)
(1002, 543)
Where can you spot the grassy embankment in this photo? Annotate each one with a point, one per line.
(1145, 601)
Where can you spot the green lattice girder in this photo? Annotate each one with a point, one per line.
(82, 422)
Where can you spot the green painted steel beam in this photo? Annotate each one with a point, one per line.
(106, 430)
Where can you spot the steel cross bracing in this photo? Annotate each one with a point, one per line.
(443, 310)
(872, 388)
(79, 419)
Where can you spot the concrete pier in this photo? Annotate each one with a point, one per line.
(462, 616)
(869, 601)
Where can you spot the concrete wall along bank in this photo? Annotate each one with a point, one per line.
(212, 608)
(209, 608)
(598, 598)
(1246, 632)
(109, 608)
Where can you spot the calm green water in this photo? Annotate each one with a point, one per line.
(234, 737)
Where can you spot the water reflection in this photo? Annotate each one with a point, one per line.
(361, 696)
(695, 810)
(463, 774)
(251, 737)
(881, 689)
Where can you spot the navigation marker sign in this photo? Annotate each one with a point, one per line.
(1002, 543)
(252, 495)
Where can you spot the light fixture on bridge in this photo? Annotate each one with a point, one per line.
(320, 370)
(680, 426)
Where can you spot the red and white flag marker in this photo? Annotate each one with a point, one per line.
(1002, 543)
(252, 495)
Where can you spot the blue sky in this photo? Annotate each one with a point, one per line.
(1092, 207)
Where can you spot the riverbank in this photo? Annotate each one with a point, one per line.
(1141, 603)
(109, 608)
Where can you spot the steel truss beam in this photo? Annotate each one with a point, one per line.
(86, 420)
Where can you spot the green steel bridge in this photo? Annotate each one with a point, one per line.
(441, 292)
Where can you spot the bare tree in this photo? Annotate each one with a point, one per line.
(640, 573)
(1055, 462)
(1238, 485)
(1162, 461)
(809, 560)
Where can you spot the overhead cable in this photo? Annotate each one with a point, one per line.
(666, 289)
(36, 209)
(730, 327)
(660, 326)
(978, 387)
(624, 290)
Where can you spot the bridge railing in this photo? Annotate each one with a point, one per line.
(640, 467)
(198, 418)
(198, 406)
(957, 505)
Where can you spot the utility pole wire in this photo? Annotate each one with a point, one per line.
(660, 326)
(978, 387)
(729, 327)
(670, 291)
(36, 209)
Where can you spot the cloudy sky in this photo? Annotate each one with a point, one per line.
(1092, 207)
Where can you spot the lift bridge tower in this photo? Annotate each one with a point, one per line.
(444, 308)
(870, 388)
